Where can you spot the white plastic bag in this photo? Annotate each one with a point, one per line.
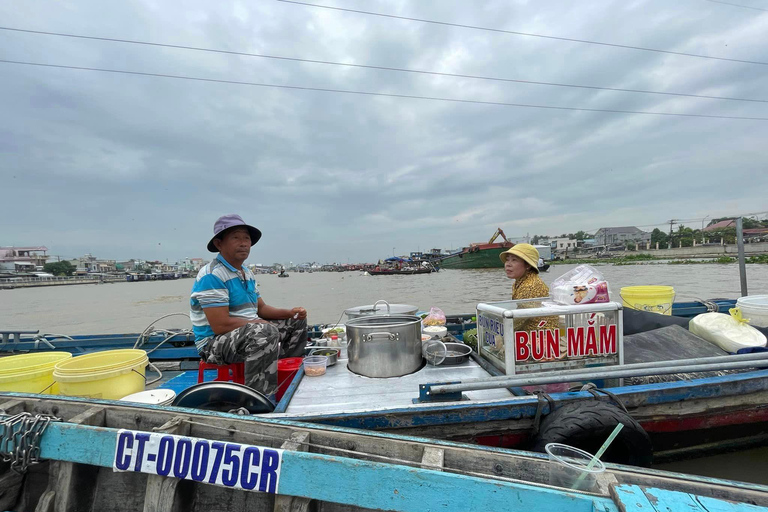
(582, 285)
(729, 332)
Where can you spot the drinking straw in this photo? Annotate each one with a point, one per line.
(599, 454)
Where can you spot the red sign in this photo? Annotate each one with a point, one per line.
(544, 344)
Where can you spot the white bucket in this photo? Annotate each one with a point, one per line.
(755, 309)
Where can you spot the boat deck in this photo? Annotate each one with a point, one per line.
(344, 391)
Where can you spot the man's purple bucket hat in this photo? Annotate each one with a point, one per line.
(232, 220)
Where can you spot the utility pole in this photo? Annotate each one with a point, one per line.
(669, 244)
(740, 246)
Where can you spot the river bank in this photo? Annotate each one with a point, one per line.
(645, 259)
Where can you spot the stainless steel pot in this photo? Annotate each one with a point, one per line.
(381, 307)
(384, 346)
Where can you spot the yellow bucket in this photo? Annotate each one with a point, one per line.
(655, 299)
(111, 374)
(31, 373)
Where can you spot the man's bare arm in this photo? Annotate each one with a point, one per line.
(271, 313)
(221, 322)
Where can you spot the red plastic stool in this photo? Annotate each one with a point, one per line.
(236, 369)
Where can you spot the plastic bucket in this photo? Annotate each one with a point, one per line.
(286, 370)
(755, 309)
(655, 299)
(31, 373)
(111, 374)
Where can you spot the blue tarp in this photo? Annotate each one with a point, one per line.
(398, 259)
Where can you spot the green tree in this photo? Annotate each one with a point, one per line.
(661, 237)
(580, 235)
(60, 268)
(631, 246)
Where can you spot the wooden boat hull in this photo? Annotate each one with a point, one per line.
(684, 419)
(401, 272)
(88, 465)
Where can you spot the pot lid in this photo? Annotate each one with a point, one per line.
(384, 321)
(380, 308)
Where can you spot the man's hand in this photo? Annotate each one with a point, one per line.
(299, 313)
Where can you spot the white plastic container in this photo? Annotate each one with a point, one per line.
(755, 309)
(435, 331)
(726, 332)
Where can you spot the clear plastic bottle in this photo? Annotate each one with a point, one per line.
(343, 347)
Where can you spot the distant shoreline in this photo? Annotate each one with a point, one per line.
(643, 259)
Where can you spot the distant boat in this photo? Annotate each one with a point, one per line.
(403, 271)
(544, 267)
(479, 255)
(283, 275)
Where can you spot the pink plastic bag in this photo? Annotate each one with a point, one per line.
(435, 317)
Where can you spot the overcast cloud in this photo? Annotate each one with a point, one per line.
(126, 166)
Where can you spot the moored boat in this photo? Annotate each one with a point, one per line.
(93, 455)
(695, 415)
(400, 271)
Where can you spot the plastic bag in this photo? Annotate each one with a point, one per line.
(582, 285)
(435, 317)
(729, 332)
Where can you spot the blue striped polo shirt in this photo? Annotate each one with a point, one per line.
(219, 284)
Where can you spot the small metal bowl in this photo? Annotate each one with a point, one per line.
(332, 353)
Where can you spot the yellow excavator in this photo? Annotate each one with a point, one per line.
(497, 234)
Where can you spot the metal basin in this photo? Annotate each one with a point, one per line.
(224, 397)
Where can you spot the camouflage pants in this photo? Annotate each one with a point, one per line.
(259, 346)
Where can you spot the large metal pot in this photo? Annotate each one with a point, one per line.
(381, 307)
(384, 346)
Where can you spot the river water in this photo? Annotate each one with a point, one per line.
(131, 307)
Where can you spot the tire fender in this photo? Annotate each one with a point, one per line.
(587, 424)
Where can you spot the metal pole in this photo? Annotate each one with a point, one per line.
(742, 264)
(673, 363)
(591, 375)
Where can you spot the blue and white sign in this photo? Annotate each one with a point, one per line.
(238, 466)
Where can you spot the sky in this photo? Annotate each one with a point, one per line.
(129, 166)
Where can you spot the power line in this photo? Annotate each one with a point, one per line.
(737, 5)
(381, 94)
(369, 66)
(528, 34)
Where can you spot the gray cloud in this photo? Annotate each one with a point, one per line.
(129, 166)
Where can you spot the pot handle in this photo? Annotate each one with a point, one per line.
(391, 335)
(377, 302)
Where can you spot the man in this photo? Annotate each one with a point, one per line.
(230, 319)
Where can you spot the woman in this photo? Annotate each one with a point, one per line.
(520, 265)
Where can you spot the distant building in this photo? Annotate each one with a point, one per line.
(562, 244)
(723, 224)
(89, 264)
(22, 259)
(615, 236)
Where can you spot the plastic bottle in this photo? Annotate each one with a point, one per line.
(343, 346)
(334, 341)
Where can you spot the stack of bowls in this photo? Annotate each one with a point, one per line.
(151, 397)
